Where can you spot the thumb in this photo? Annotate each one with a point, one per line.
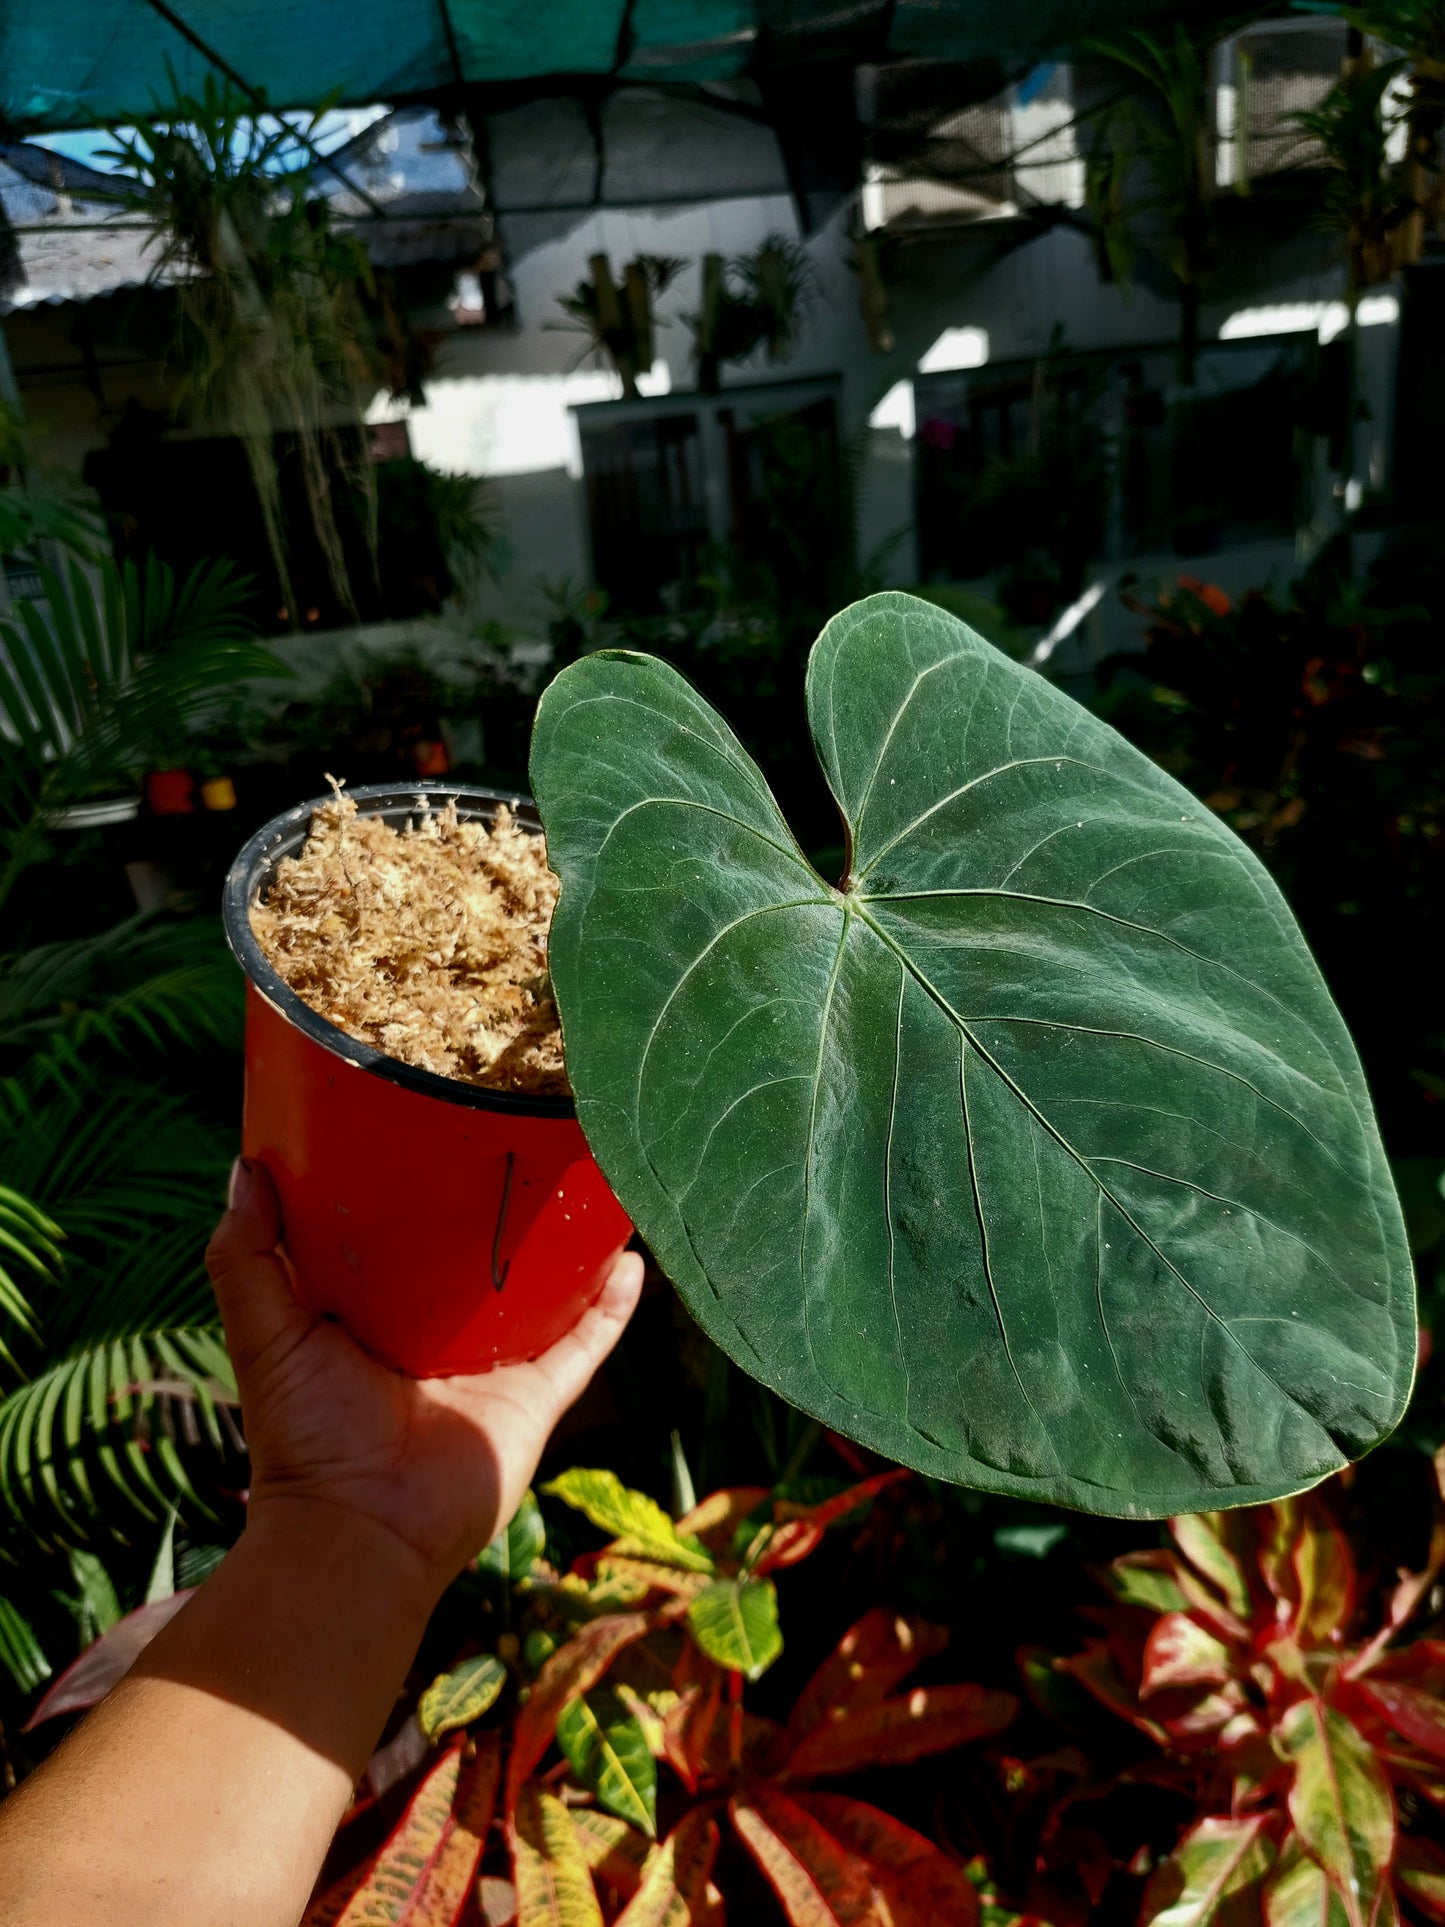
(253, 1289)
(568, 1365)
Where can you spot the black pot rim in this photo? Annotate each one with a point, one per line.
(242, 881)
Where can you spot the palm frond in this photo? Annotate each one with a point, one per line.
(154, 980)
(101, 678)
(128, 1336)
(30, 1237)
(21, 1654)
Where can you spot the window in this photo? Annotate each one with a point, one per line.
(646, 507)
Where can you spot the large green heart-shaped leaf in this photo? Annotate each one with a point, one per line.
(1035, 1156)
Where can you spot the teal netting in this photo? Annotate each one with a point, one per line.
(76, 63)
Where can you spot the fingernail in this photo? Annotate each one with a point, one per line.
(240, 1186)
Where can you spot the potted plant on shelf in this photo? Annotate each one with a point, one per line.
(105, 678)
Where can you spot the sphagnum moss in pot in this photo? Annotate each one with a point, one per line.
(1032, 1154)
(404, 1083)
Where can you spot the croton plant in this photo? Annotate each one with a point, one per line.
(1304, 1736)
(1033, 1153)
(592, 1768)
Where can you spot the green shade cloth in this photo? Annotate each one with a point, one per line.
(91, 62)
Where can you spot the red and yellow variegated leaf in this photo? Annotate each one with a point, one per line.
(716, 1518)
(1299, 1895)
(424, 1873)
(838, 1863)
(650, 1711)
(677, 1888)
(1213, 1875)
(817, 1884)
(700, 1732)
(328, 1907)
(871, 1658)
(554, 1886)
(1094, 1668)
(688, 1727)
(799, 1529)
(1195, 1719)
(930, 1719)
(1148, 1579)
(1420, 1875)
(1325, 1572)
(1204, 1539)
(650, 1575)
(571, 1670)
(1414, 1714)
(1341, 1804)
(615, 1853)
(1278, 1529)
(1180, 1652)
(920, 1886)
(496, 1902)
(442, 1893)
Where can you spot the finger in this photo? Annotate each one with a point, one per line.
(568, 1366)
(253, 1289)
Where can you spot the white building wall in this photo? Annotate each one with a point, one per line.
(499, 403)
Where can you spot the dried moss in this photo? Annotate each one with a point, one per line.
(428, 943)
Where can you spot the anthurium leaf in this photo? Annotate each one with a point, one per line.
(1341, 1803)
(1036, 1155)
(457, 1698)
(607, 1750)
(554, 1886)
(638, 1524)
(735, 1621)
(1213, 1875)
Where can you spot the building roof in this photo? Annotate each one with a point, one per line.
(69, 241)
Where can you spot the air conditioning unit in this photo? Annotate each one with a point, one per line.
(1266, 75)
(984, 161)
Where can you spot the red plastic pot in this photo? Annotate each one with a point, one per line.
(450, 1228)
(169, 792)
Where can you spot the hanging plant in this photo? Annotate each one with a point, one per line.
(619, 322)
(1034, 1155)
(756, 300)
(271, 332)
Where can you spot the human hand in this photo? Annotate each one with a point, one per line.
(439, 1464)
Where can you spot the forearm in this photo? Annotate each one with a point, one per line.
(216, 1772)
